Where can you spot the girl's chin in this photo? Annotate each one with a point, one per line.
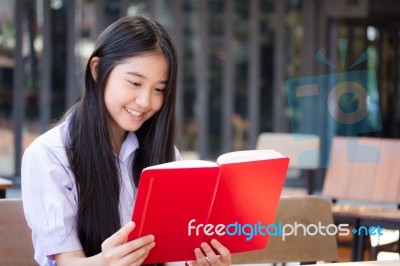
(132, 126)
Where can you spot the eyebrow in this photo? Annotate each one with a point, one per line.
(142, 76)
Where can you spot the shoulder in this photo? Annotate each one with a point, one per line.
(49, 144)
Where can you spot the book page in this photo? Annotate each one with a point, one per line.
(183, 164)
(248, 156)
(247, 196)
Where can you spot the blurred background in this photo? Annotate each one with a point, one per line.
(235, 57)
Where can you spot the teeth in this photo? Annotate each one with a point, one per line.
(133, 112)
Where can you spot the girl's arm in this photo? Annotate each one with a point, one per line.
(115, 251)
(78, 258)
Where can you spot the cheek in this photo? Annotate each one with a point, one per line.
(107, 101)
(109, 97)
(158, 104)
(115, 97)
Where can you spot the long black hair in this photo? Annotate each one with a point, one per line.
(90, 151)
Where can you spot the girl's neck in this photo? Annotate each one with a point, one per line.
(117, 137)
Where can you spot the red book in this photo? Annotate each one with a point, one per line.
(185, 203)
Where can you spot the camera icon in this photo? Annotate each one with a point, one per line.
(345, 103)
(351, 100)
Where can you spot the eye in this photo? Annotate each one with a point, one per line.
(136, 84)
(160, 90)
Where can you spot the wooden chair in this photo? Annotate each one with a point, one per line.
(304, 249)
(16, 247)
(364, 173)
(303, 151)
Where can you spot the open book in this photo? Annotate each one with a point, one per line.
(185, 203)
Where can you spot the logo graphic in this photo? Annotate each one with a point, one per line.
(278, 229)
(344, 103)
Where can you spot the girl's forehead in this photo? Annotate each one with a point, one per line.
(148, 58)
(155, 55)
(150, 65)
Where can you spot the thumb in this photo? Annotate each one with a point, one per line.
(122, 234)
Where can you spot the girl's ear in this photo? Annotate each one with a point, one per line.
(94, 63)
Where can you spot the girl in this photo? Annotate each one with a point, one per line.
(79, 179)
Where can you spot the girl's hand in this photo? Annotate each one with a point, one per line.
(117, 251)
(206, 256)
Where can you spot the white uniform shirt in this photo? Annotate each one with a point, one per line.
(50, 194)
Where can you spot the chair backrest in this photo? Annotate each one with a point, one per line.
(16, 247)
(303, 210)
(302, 149)
(364, 169)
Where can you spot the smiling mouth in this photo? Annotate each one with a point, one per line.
(133, 112)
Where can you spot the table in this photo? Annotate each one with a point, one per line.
(359, 245)
(4, 184)
(357, 263)
(364, 263)
(367, 217)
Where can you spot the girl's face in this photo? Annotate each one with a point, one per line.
(135, 90)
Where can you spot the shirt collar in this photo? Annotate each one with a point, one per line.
(130, 144)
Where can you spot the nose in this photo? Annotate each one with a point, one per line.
(143, 98)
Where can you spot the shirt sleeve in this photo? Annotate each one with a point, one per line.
(49, 199)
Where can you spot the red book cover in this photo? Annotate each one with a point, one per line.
(185, 203)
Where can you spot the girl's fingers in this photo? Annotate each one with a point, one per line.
(211, 256)
(138, 256)
(201, 259)
(225, 255)
(138, 243)
(120, 236)
(223, 251)
(116, 246)
(130, 251)
(207, 256)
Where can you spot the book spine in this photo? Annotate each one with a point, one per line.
(148, 193)
(213, 196)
